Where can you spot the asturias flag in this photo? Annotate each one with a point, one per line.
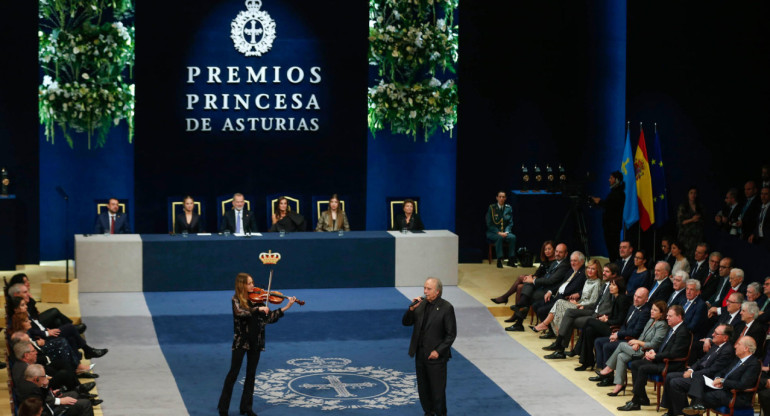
(659, 197)
(643, 184)
(631, 207)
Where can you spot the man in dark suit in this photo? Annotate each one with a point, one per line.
(678, 383)
(754, 294)
(699, 265)
(677, 294)
(710, 282)
(112, 221)
(612, 220)
(750, 327)
(761, 233)
(764, 305)
(632, 327)
(665, 247)
(661, 287)
(35, 384)
(626, 260)
(239, 220)
(535, 288)
(694, 307)
(723, 286)
(736, 284)
(676, 344)
(742, 373)
(435, 329)
(750, 212)
(730, 213)
(731, 317)
(571, 287)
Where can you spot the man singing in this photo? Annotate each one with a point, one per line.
(434, 332)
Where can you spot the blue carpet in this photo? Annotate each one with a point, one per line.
(361, 327)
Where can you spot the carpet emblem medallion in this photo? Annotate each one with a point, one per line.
(330, 384)
(253, 30)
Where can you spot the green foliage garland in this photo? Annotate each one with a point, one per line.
(408, 41)
(87, 68)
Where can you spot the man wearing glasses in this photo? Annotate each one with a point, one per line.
(678, 384)
(710, 282)
(725, 266)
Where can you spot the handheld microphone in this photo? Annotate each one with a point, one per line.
(417, 301)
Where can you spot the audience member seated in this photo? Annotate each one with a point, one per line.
(112, 221)
(680, 261)
(573, 285)
(35, 384)
(689, 220)
(764, 302)
(677, 288)
(710, 283)
(32, 406)
(51, 318)
(189, 221)
(27, 355)
(499, 223)
(286, 220)
(723, 285)
(334, 218)
(633, 324)
(731, 317)
(600, 323)
(588, 297)
(662, 286)
(547, 261)
(761, 233)
(665, 248)
(747, 221)
(736, 284)
(651, 338)
(626, 260)
(409, 220)
(676, 344)
(741, 374)
(699, 266)
(677, 384)
(536, 288)
(727, 218)
(694, 307)
(750, 327)
(754, 294)
(63, 373)
(640, 276)
(239, 220)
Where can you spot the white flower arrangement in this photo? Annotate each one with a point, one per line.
(87, 66)
(408, 41)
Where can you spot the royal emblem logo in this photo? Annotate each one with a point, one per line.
(253, 30)
(329, 384)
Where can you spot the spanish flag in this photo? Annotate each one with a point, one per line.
(644, 184)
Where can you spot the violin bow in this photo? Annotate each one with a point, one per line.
(269, 283)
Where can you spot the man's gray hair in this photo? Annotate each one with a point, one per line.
(694, 282)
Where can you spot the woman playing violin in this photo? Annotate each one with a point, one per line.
(249, 320)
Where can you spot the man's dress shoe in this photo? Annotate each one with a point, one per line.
(499, 263)
(696, 409)
(515, 328)
(629, 406)
(555, 355)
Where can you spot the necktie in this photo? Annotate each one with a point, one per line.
(713, 352)
(764, 305)
(671, 299)
(654, 287)
(733, 369)
(745, 329)
(668, 337)
(687, 305)
(729, 292)
(112, 224)
(697, 266)
(708, 277)
(237, 222)
(631, 314)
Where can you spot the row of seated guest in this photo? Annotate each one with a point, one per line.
(56, 345)
(658, 323)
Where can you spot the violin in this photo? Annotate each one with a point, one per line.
(259, 295)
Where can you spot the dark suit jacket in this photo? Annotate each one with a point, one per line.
(744, 377)
(619, 312)
(732, 215)
(26, 389)
(702, 271)
(709, 285)
(633, 327)
(716, 360)
(695, 314)
(440, 330)
(195, 225)
(757, 330)
(764, 225)
(103, 224)
(662, 292)
(612, 220)
(751, 217)
(551, 281)
(681, 296)
(415, 224)
(574, 286)
(249, 222)
(676, 347)
(626, 273)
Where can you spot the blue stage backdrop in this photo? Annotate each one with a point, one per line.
(255, 97)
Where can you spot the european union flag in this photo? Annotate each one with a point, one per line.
(631, 208)
(659, 194)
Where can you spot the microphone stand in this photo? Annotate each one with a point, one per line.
(66, 232)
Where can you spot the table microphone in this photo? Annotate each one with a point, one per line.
(417, 301)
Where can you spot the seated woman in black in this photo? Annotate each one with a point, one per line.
(189, 221)
(286, 220)
(409, 220)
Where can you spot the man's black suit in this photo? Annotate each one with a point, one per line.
(632, 327)
(249, 222)
(743, 377)
(612, 220)
(662, 292)
(82, 407)
(102, 224)
(678, 346)
(676, 386)
(699, 272)
(732, 214)
(709, 285)
(695, 315)
(757, 330)
(750, 217)
(437, 333)
(574, 286)
(626, 267)
(551, 281)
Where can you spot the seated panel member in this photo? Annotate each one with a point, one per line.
(239, 220)
(742, 373)
(499, 223)
(334, 218)
(189, 220)
(409, 220)
(286, 220)
(112, 221)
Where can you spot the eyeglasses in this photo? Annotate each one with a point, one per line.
(724, 267)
